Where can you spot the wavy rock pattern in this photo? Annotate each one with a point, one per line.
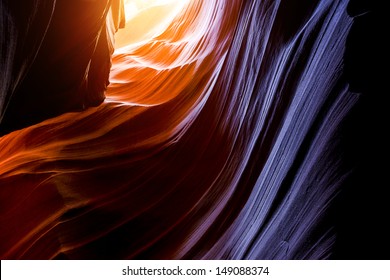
(221, 138)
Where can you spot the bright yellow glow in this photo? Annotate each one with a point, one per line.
(146, 19)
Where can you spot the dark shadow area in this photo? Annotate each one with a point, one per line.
(362, 212)
(60, 60)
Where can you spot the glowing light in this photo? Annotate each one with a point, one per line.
(146, 19)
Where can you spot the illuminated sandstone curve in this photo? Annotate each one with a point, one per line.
(219, 138)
